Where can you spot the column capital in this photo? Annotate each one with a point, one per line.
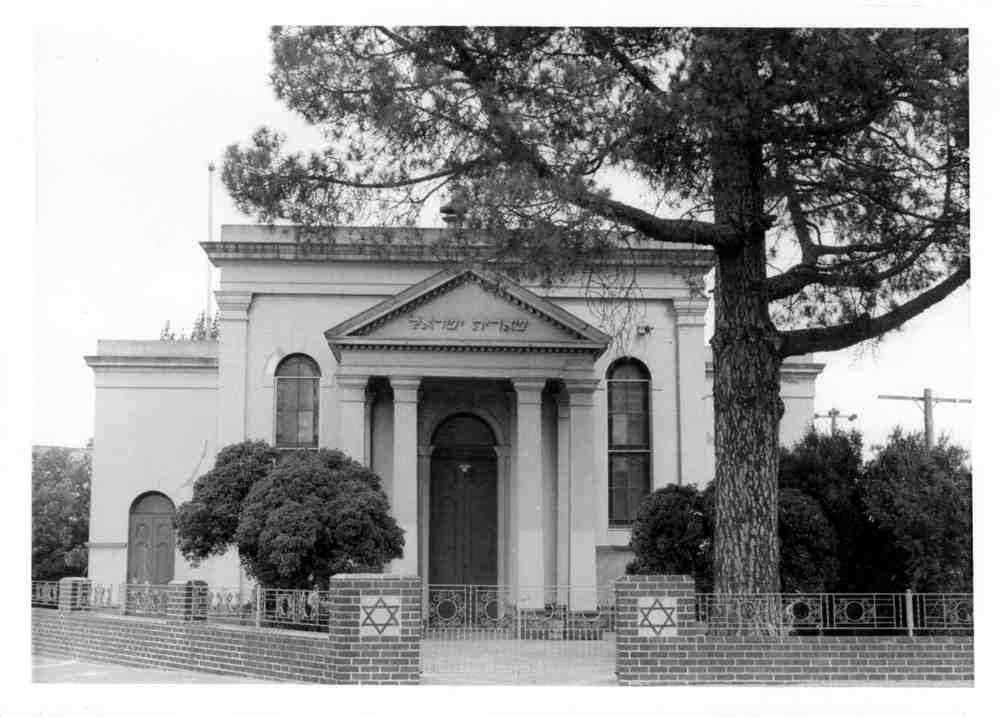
(581, 391)
(353, 382)
(353, 389)
(691, 311)
(233, 304)
(529, 390)
(405, 389)
(424, 451)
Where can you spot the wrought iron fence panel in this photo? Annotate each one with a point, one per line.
(294, 609)
(104, 596)
(814, 613)
(231, 605)
(522, 634)
(44, 593)
(943, 611)
(145, 599)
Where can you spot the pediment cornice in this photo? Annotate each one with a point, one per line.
(393, 324)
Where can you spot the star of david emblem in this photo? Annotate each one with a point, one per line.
(380, 616)
(658, 617)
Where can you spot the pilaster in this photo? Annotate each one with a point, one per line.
(583, 494)
(351, 393)
(530, 545)
(404, 503)
(692, 415)
(234, 313)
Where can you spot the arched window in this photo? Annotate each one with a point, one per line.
(296, 406)
(628, 440)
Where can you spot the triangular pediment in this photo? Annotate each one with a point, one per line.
(467, 309)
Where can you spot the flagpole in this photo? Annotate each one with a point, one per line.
(208, 268)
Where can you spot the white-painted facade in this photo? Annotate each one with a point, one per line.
(403, 342)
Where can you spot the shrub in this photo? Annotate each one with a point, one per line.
(315, 515)
(206, 525)
(671, 535)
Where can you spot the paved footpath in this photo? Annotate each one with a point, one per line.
(67, 669)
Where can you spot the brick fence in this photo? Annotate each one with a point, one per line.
(374, 636)
(375, 629)
(658, 642)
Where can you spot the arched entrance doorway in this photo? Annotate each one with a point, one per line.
(151, 540)
(463, 503)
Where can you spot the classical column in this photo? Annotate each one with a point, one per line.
(504, 541)
(692, 416)
(424, 500)
(404, 469)
(369, 403)
(352, 429)
(562, 493)
(530, 547)
(583, 495)
(234, 307)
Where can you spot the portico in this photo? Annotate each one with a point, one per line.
(469, 345)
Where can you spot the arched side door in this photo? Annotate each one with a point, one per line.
(151, 540)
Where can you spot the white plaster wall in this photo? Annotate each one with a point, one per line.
(656, 349)
(154, 430)
(285, 324)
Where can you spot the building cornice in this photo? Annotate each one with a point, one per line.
(175, 363)
(788, 368)
(228, 251)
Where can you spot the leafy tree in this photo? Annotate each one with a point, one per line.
(808, 544)
(295, 519)
(203, 329)
(924, 500)
(206, 525)
(830, 469)
(313, 517)
(827, 169)
(671, 536)
(60, 512)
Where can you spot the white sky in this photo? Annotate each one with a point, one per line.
(125, 126)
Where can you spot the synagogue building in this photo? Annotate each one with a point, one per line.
(515, 427)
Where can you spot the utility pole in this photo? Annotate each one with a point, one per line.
(926, 402)
(833, 414)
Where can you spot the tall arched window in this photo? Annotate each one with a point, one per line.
(296, 406)
(628, 440)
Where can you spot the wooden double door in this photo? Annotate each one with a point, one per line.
(463, 516)
(151, 541)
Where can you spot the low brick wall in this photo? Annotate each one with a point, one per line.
(375, 629)
(284, 655)
(658, 642)
(374, 635)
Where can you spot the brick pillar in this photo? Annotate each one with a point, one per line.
(650, 612)
(187, 600)
(74, 594)
(375, 629)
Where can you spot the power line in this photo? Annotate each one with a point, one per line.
(833, 414)
(926, 402)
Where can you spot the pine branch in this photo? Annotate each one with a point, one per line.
(833, 338)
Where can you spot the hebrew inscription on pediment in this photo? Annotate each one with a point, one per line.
(469, 311)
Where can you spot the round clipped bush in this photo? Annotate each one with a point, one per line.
(316, 514)
(672, 535)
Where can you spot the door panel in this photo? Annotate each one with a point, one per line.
(463, 520)
(151, 542)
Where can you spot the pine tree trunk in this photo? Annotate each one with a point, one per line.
(746, 392)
